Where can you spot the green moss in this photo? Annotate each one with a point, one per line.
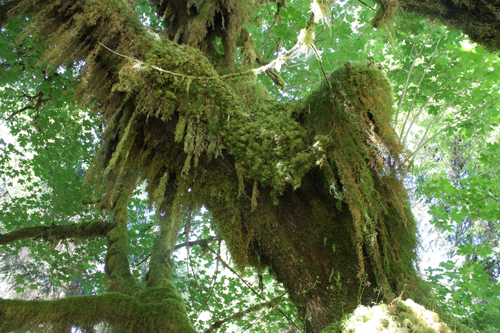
(125, 313)
(349, 122)
(166, 121)
(270, 145)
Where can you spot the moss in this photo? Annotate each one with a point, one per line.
(398, 316)
(126, 313)
(386, 14)
(170, 121)
(349, 121)
(270, 145)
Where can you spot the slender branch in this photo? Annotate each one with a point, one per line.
(238, 275)
(212, 284)
(412, 155)
(201, 242)
(91, 202)
(426, 70)
(302, 84)
(237, 316)
(38, 104)
(409, 74)
(364, 3)
(252, 289)
(87, 230)
(437, 116)
(422, 108)
(15, 113)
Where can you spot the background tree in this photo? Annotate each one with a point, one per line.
(310, 189)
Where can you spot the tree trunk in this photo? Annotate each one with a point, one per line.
(308, 244)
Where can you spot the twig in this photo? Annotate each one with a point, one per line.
(368, 5)
(270, 304)
(197, 242)
(420, 112)
(212, 284)
(409, 74)
(412, 155)
(252, 289)
(431, 62)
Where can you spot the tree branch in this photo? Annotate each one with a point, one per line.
(365, 4)
(202, 242)
(118, 310)
(4, 11)
(86, 230)
(423, 143)
(426, 70)
(409, 74)
(237, 316)
(252, 289)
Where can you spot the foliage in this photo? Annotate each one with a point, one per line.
(456, 110)
(448, 118)
(46, 149)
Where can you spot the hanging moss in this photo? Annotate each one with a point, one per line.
(198, 23)
(349, 120)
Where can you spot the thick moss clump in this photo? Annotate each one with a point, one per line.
(270, 146)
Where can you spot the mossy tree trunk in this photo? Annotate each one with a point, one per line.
(309, 189)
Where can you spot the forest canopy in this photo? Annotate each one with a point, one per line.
(178, 166)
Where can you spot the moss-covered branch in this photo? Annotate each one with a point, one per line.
(126, 313)
(478, 19)
(161, 266)
(315, 193)
(117, 266)
(87, 230)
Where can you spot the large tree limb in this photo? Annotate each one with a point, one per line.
(87, 230)
(130, 314)
(478, 19)
(167, 110)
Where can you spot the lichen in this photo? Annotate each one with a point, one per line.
(398, 316)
